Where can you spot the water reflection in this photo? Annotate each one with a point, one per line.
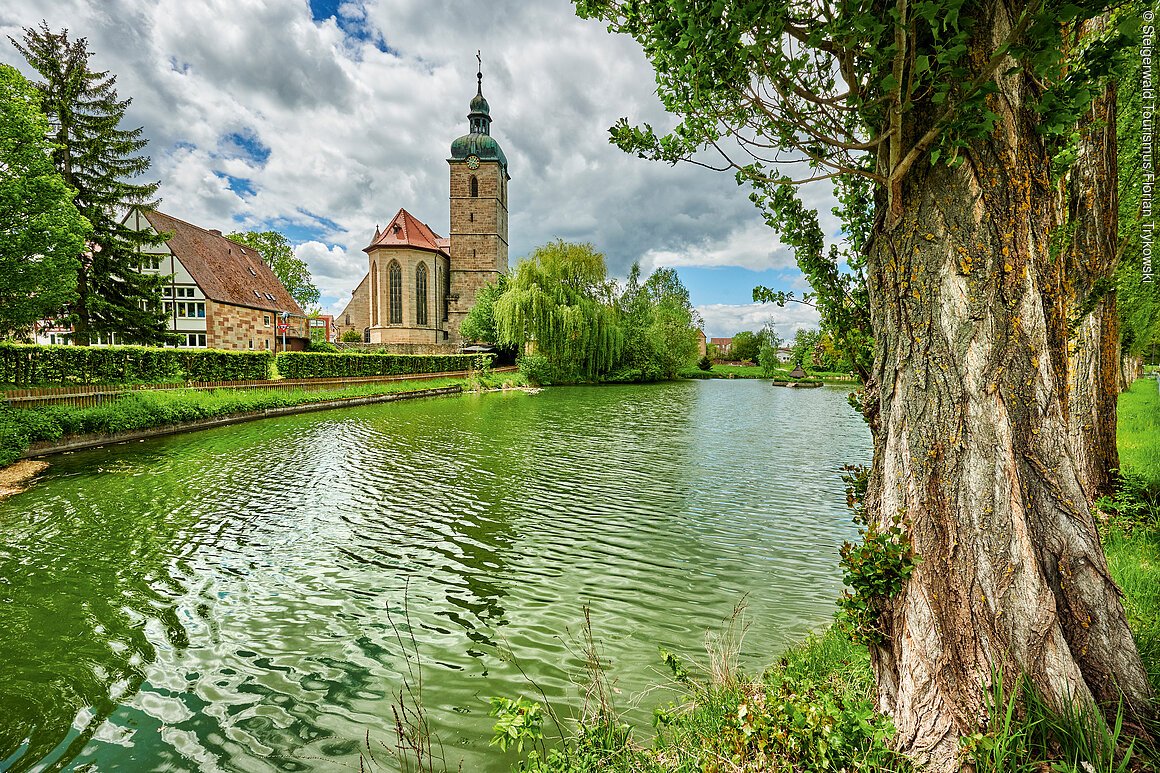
(219, 600)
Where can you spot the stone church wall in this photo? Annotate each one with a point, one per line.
(357, 314)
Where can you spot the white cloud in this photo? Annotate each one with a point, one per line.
(724, 320)
(326, 124)
(753, 246)
(332, 268)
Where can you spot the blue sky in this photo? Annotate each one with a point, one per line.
(321, 119)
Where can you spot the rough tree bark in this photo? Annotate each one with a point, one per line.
(1093, 361)
(972, 441)
(1131, 368)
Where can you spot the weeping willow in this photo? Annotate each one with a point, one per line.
(561, 300)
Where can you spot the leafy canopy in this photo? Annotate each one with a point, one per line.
(660, 326)
(860, 94)
(572, 323)
(41, 232)
(292, 271)
(479, 324)
(97, 158)
(560, 299)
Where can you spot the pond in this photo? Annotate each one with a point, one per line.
(245, 598)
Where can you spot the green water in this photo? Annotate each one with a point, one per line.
(224, 600)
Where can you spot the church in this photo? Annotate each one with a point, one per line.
(419, 286)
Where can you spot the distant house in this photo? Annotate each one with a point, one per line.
(702, 347)
(220, 294)
(723, 345)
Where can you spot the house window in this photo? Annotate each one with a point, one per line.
(190, 309)
(266, 320)
(251, 343)
(194, 340)
(421, 295)
(149, 263)
(474, 187)
(395, 275)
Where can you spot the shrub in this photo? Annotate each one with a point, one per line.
(539, 370)
(32, 365)
(351, 337)
(322, 346)
(353, 365)
(705, 364)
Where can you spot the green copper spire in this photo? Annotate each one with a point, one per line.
(479, 119)
(478, 141)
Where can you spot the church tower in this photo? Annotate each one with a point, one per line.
(479, 211)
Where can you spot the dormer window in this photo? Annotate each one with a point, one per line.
(269, 297)
(257, 294)
(253, 272)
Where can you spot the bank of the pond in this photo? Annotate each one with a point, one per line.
(779, 374)
(813, 710)
(35, 432)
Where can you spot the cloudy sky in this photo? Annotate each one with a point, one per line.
(321, 119)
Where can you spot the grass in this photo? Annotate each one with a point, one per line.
(1132, 536)
(1138, 431)
(148, 408)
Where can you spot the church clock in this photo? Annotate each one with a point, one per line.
(473, 162)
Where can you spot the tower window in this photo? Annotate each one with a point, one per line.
(395, 277)
(421, 295)
(474, 187)
(471, 217)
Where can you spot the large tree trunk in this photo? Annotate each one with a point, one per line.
(972, 448)
(1131, 368)
(1093, 364)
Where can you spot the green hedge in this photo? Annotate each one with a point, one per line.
(352, 365)
(25, 365)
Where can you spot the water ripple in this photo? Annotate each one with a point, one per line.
(234, 599)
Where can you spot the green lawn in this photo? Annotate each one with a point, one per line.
(1138, 431)
(754, 371)
(149, 408)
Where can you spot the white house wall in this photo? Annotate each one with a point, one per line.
(182, 287)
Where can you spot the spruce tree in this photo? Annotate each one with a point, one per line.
(97, 158)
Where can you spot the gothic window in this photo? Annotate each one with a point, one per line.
(474, 187)
(374, 293)
(421, 295)
(395, 277)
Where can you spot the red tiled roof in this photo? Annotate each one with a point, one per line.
(721, 341)
(225, 271)
(405, 230)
